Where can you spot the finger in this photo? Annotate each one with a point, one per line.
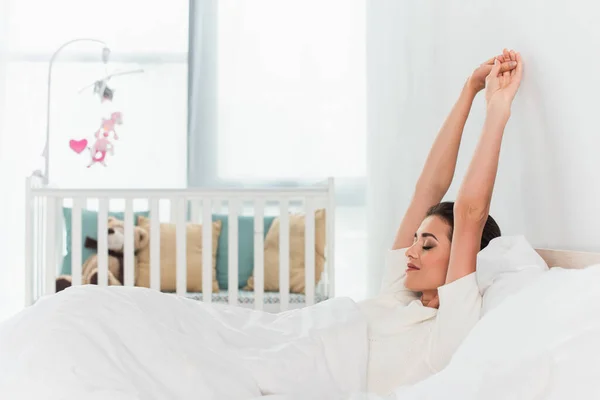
(500, 58)
(492, 80)
(506, 55)
(491, 60)
(495, 69)
(492, 77)
(508, 66)
(513, 58)
(518, 71)
(434, 303)
(515, 81)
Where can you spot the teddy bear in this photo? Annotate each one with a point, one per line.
(116, 244)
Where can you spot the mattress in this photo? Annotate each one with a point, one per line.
(247, 297)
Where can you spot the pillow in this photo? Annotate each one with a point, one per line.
(297, 276)
(245, 248)
(507, 265)
(168, 256)
(89, 227)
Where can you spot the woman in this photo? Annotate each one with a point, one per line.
(429, 299)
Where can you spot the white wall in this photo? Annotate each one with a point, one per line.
(419, 55)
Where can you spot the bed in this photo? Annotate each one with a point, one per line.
(296, 263)
(130, 343)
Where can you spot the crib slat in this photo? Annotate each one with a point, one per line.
(259, 256)
(180, 211)
(234, 206)
(103, 242)
(29, 232)
(284, 255)
(50, 245)
(154, 244)
(40, 245)
(329, 238)
(128, 248)
(309, 252)
(207, 246)
(76, 245)
(58, 234)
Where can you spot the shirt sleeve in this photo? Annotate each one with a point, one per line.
(394, 276)
(459, 311)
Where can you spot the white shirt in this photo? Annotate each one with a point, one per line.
(409, 342)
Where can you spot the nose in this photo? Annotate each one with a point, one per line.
(111, 231)
(411, 252)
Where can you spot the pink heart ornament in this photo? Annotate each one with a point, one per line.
(78, 145)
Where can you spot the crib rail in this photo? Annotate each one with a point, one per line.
(45, 234)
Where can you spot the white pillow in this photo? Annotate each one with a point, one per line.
(504, 267)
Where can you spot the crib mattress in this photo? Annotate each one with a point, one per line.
(247, 297)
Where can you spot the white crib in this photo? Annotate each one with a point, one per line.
(45, 237)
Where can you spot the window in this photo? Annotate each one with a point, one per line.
(290, 92)
(291, 83)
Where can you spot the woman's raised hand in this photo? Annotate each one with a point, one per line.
(501, 86)
(477, 78)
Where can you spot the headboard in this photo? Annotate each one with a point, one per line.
(568, 259)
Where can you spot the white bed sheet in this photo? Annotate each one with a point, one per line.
(133, 343)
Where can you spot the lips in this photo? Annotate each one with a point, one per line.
(412, 267)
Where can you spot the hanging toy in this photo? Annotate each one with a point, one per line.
(101, 88)
(78, 145)
(108, 125)
(102, 142)
(103, 145)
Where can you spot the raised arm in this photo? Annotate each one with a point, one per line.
(475, 194)
(438, 171)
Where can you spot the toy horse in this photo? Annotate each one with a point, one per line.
(103, 145)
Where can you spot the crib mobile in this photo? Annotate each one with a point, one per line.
(104, 137)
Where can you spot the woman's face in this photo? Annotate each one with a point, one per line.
(427, 259)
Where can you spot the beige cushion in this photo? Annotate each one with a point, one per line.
(168, 256)
(297, 276)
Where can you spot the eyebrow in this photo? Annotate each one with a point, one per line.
(427, 234)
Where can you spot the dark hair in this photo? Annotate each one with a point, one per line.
(445, 211)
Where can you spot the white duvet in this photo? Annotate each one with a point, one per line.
(132, 343)
(93, 343)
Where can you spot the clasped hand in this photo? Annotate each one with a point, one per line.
(500, 76)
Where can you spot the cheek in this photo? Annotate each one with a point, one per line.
(436, 260)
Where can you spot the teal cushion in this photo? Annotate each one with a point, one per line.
(89, 227)
(245, 249)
